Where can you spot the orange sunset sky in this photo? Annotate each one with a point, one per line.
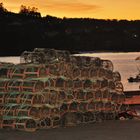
(102, 9)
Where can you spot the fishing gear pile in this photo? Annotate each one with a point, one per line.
(52, 88)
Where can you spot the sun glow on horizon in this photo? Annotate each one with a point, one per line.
(101, 9)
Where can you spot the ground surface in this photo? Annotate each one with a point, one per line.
(110, 130)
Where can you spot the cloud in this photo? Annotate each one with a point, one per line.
(61, 8)
(68, 6)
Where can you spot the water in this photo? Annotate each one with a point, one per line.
(11, 59)
(123, 62)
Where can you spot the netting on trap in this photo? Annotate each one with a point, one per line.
(52, 88)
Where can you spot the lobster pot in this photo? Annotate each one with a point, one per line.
(69, 119)
(121, 98)
(66, 96)
(2, 98)
(64, 108)
(101, 72)
(69, 84)
(92, 61)
(17, 72)
(107, 64)
(77, 84)
(91, 106)
(119, 87)
(5, 64)
(25, 57)
(81, 61)
(73, 107)
(123, 108)
(50, 83)
(105, 95)
(31, 99)
(56, 121)
(8, 123)
(77, 61)
(89, 95)
(116, 108)
(70, 95)
(9, 109)
(0, 123)
(1, 110)
(46, 111)
(68, 68)
(88, 117)
(79, 118)
(35, 57)
(87, 84)
(94, 93)
(63, 56)
(24, 110)
(104, 83)
(46, 94)
(85, 72)
(108, 74)
(60, 83)
(32, 86)
(3, 85)
(115, 97)
(96, 84)
(80, 95)
(96, 62)
(94, 72)
(55, 111)
(99, 106)
(40, 55)
(35, 71)
(75, 73)
(14, 86)
(83, 106)
(84, 61)
(116, 76)
(26, 124)
(52, 97)
(54, 69)
(4, 72)
(98, 95)
(111, 85)
(51, 55)
(107, 107)
(13, 97)
(62, 68)
(45, 123)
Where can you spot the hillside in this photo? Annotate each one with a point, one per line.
(22, 31)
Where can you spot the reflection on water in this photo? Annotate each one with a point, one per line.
(123, 62)
(11, 59)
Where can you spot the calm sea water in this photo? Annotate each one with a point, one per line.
(123, 62)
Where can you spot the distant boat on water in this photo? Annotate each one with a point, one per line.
(134, 79)
(137, 77)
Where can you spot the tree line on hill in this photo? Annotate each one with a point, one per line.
(28, 29)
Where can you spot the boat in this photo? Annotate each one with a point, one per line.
(137, 77)
(134, 79)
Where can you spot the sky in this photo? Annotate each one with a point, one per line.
(101, 9)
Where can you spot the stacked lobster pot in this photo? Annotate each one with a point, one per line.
(52, 88)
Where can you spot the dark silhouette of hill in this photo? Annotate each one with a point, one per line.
(27, 30)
